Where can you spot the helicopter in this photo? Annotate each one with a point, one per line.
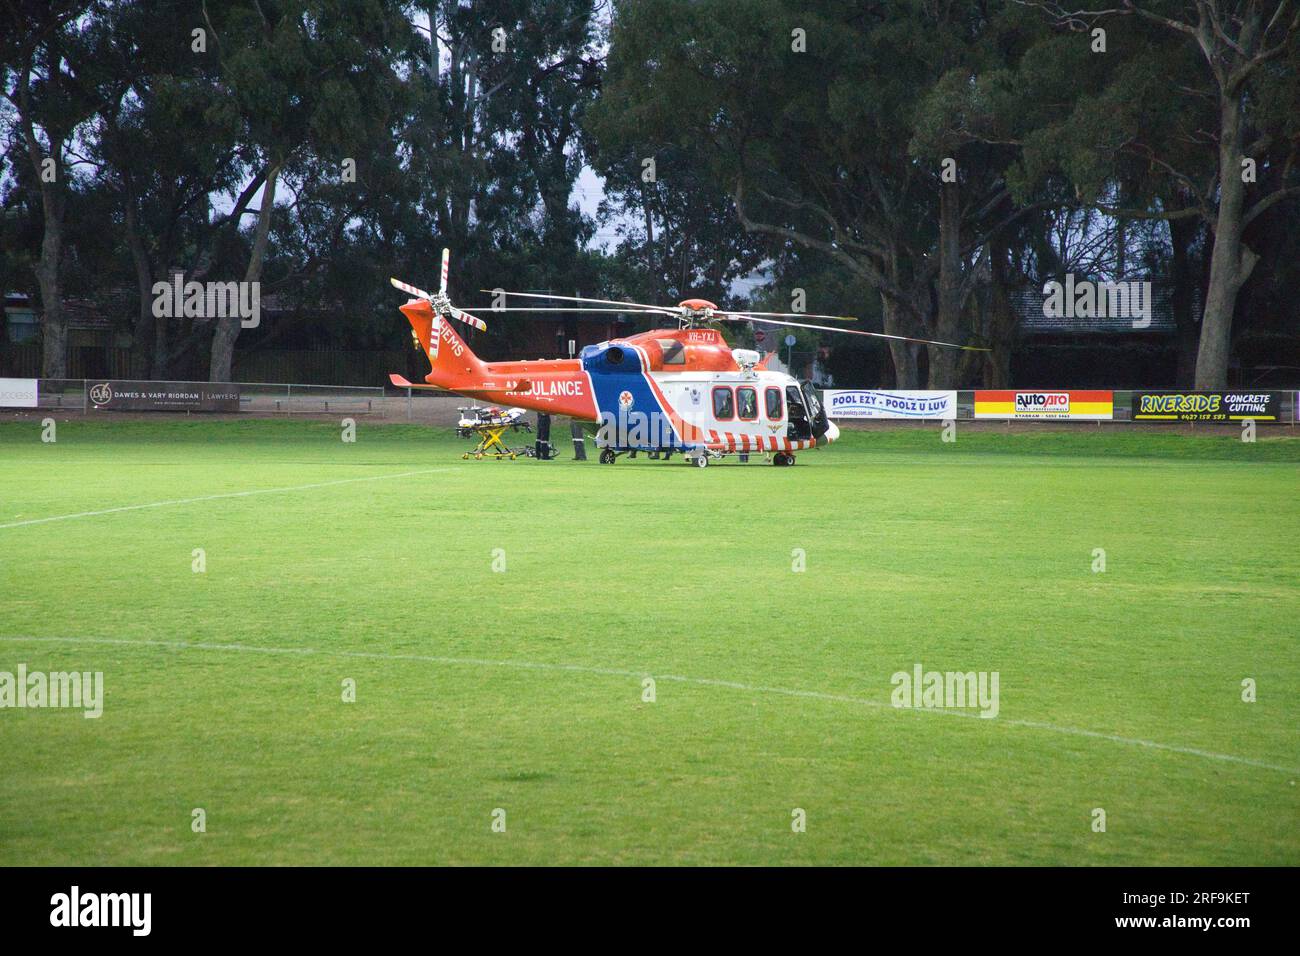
(677, 390)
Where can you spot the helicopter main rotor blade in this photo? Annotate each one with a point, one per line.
(515, 308)
(624, 306)
(789, 315)
(877, 335)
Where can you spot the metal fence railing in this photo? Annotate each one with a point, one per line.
(89, 395)
(95, 395)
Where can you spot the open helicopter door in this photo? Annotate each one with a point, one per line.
(800, 427)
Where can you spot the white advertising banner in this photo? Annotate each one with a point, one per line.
(869, 403)
(18, 392)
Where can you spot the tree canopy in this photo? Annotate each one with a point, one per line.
(911, 162)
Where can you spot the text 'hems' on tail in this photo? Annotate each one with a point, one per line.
(451, 362)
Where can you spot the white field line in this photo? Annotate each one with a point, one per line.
(698, 681)
(230, 494)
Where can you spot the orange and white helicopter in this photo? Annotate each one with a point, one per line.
(668, 390)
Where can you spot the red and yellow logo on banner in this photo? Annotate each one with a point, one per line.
(1045, 404)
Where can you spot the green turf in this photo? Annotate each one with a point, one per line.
(522, 690)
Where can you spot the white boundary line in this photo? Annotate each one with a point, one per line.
(698, 681)
(231, 494)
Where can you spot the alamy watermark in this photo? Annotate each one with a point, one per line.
(946, 689)
(73, 689)
(209, 300)
(1086, 299)
(75, 908)
(635, 429)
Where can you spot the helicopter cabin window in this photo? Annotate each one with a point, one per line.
(674, 351)
(774, 409)
(724, 405)
(747, 400)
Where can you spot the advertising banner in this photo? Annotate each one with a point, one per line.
(1207, 406)
(866, 403)
(125, 396)
(1070, 404)
(17, 392)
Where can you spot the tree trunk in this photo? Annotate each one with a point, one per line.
(161, 364)
(142, 338)
(652, 270)
(228, 326)
(54, 323)
(1002, 320)
(1231, 262)
(903, 354)
(223, 348)
(943, 361)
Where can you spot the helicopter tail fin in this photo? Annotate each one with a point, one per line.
(451, 361)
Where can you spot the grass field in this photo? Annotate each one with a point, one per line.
(522, 689)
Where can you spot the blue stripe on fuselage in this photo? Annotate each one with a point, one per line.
(609, 382)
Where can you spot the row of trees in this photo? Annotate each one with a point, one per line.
(933, 148)
(316, 145)
(910, 161)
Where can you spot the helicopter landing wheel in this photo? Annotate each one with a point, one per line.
(608, 457)
(702, 461)
(782, 459)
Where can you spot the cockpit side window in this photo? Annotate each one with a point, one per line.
(795, 400)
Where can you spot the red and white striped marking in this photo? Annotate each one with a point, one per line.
(727, 441)
(409, 289)
(469, 319)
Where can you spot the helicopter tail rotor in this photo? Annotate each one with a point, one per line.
(439, 300)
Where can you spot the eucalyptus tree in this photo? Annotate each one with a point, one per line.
(677, 233)
(495, 140)
(304, 80)
(1201, 110)
(818, 121)
(48, 55)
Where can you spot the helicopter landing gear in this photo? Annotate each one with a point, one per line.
(701, 461)
(782, 459)
(608, 456)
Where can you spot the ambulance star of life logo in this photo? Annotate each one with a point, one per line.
(101, 394)
(625, 399)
